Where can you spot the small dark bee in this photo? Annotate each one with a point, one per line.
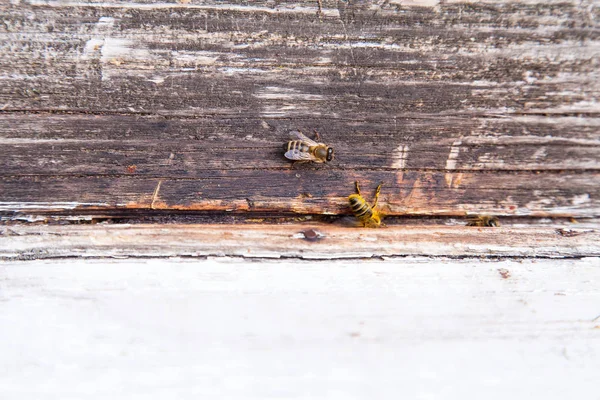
(366, 214)
(483, 220)
(304, 149)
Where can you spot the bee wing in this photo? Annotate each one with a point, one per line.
(299, 135)
(298, 155)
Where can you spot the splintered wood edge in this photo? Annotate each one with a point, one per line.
(302, 241)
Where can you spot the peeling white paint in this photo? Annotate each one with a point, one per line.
(537, 204)
(293, 101)
(530, 139)
(283, 93)
(59, 141)
(225, 7)
(575, 107)
(453, 155)
(237, 71)
(418, 3)
(400, 157)
(489, 161)
(122, 49)
(195, 57)
(34, 218)
(581, 199)
(451, 162)
(14, 205)
(274, 111)
(92, 46)
(107, 22)
(158, 80)
(363, 44)
(540, 153)
(102, 29)
(529, 78)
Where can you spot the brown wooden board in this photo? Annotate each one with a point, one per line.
(317, 191)
(50, 144)
(456, 107)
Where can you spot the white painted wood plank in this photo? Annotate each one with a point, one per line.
(224, 328)
(290, 241)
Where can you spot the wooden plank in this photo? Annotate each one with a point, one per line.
(306, 241)
(344, 330)
(111, 144)
(414, 328)
(314, 191)
(229, 60)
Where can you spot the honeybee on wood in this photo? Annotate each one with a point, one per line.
(366, 214)
(483, 220)
(304, 149)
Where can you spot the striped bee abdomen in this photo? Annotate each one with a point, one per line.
(360, 208)
(298, 145)
(365, 213)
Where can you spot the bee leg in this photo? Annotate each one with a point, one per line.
(357, 187)
(374, 224)
(377, 191)
(317, 136)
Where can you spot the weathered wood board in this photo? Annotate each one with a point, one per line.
(455, 106)
(304, 241)
(339, 330)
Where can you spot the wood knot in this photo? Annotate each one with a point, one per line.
(312, 235)
(571, 233)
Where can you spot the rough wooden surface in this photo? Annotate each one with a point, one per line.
(339, 330)
(305, 241)
(487, 107)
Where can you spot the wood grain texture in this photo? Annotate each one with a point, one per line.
(336, 330)
(455, 106)
(305, 241)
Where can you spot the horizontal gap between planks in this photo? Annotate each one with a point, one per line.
(82, 216)
(28, 257)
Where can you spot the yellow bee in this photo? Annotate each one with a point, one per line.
(304, 149)
(483, 220)
(366, 214)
